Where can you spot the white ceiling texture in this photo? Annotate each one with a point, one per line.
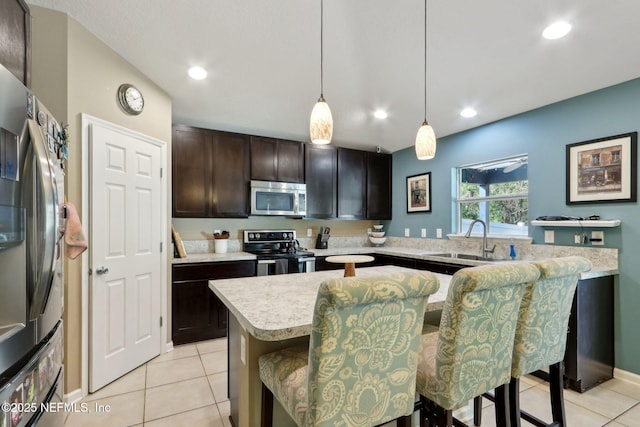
(263, 59)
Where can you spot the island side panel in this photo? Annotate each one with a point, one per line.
(245, 387)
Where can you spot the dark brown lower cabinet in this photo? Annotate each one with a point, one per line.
(589, 358)
(196, 312)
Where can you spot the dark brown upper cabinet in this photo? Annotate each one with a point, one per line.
(352, 184)
(379, 186)
(320, 167)
(276, 160)
(210, 172)
(15, 39)
(347, 184)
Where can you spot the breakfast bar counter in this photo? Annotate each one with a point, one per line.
(272, 312)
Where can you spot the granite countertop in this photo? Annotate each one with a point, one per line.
(273, 308)
(383, 250)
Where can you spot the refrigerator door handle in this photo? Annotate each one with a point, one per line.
(46, 212)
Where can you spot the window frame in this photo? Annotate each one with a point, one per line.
(459, 201)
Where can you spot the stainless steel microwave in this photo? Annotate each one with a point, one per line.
(278, 198)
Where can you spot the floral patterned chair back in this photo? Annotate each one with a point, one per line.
(541, 335)
(362, 353)
(471, 353)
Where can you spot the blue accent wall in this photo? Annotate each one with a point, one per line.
(543, 134)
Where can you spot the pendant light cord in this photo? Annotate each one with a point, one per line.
(425, 61)
(321, 48)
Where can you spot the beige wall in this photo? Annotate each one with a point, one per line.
(75, 73)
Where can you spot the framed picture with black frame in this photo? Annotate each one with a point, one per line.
(603, 170)
(419, 193)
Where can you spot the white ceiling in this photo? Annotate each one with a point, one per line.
(263, 59)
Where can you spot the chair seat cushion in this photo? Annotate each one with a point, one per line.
(284, 372)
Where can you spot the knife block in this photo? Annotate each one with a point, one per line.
(322, 241)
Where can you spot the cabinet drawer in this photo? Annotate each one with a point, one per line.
(214, 270)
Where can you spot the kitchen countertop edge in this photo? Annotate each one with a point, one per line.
(393, 251)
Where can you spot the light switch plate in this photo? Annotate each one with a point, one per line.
(243, 349)
(576, 238)
(549, 236)
(597, 235)
(309, 232)
(406, 232)
(423, 232)
(439, 233)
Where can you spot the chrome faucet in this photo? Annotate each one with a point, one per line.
(485, 249)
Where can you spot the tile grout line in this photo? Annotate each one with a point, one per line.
(637, 404)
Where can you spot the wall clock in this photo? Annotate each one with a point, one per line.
(130, 99)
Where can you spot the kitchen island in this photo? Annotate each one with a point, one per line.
(272, 312)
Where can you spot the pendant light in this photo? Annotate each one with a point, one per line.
(426, 138)
(321, 123)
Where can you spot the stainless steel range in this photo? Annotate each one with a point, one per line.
(278, 252)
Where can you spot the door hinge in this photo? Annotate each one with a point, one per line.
(161, 247)
(161, 172)
(161, 321)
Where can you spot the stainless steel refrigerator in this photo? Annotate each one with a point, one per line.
(32, 220)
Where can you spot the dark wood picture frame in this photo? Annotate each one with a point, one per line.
(419, 193)
(603, 170)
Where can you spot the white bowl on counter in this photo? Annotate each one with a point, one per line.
(378, 227)
(377, 241)
(377, 234)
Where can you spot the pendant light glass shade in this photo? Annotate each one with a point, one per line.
(321, 123)
(425, 142)
(426, 137)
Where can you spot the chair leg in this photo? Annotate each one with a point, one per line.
(514, 402)
(267, 407)
(556, 374)
(502, 406)
(477, 410)
(404, 421)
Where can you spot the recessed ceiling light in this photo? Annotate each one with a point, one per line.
(468, 112)
(556, 30)
(197, 73)
(380, 114)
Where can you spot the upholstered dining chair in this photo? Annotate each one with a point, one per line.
(471, 352)
(359, 368)
(541, 334)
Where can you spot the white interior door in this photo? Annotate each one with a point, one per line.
(126, 235)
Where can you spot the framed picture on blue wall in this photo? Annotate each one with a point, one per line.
(419, 193)
(603, 170)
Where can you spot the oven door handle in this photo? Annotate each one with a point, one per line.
(301, 259)
(266, 261)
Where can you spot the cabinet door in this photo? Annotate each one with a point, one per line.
(264, 155)
(277, 160)
(230, 171)
(352, 183)
(15, 39)
(378, 186)
(191, 165)
(290, 161)
(320, 167)
(196, 312)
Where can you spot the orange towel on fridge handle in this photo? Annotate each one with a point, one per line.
(73, 234)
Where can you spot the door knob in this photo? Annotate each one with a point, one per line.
(102, 270)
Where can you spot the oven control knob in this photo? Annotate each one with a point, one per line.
(284, 235)
(257, 236)
(250, 236)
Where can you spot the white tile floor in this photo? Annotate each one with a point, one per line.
(188, 387)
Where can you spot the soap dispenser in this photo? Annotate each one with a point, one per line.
(512, 251)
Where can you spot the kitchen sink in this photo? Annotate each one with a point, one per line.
(464, 256)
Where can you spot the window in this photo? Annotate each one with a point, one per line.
(496, 192)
